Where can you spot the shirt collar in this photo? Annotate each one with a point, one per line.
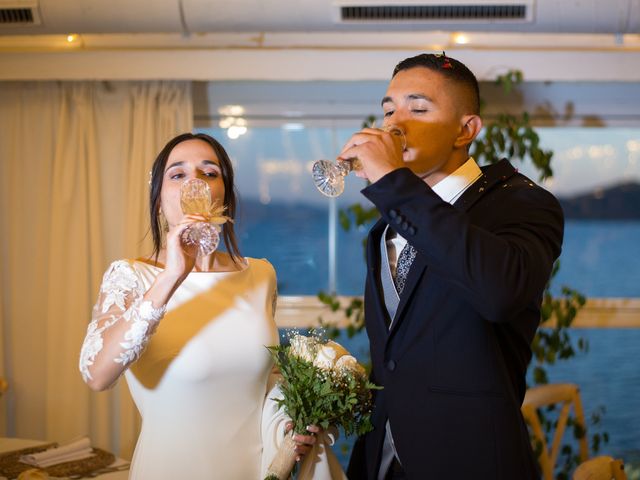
(451, 187)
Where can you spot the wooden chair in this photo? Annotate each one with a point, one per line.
(567, 395)
(600, 468)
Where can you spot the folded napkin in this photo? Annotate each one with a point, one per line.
(76, 450)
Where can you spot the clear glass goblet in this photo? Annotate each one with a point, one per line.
(200, 238)
(329, 176)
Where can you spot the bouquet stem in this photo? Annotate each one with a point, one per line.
(284, 461)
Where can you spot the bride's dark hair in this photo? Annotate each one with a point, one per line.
(157, 176)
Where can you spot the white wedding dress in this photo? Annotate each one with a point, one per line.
(199, 373)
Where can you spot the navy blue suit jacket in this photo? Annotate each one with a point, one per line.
(453, 364)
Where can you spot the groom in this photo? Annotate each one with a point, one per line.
(456, 269)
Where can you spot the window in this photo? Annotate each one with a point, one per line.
(282, 217)
(597, 179)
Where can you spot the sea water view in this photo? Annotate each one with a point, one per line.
(600, 258)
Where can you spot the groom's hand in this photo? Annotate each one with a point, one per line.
(304, 442)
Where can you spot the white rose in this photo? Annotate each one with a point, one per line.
(326, 357)
(329, 354)
(302, 347)
(339, 349)
(348, 362)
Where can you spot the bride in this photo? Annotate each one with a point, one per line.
(189, 334)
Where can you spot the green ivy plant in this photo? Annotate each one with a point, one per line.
(514, 137)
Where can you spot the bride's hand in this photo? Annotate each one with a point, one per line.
(178, 262)
(304, 443)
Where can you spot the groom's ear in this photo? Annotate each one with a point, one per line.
(470, 126)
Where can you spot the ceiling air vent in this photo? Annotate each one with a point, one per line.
(431, 12)
(19, 13)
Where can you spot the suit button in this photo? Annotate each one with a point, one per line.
(391, 365)
(405, 225)
(393, 213)
(411, 231)
(399, 219)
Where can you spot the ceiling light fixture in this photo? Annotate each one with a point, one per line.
(460, 39)
(231, 110)
(235, 126)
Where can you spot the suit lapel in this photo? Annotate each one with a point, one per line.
(491, 175)
(373, 274)
(416, 271)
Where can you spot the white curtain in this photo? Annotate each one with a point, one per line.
(74, 163)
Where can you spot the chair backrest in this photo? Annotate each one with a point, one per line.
(567, 395)
(600, 468)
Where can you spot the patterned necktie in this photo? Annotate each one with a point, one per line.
(407, 255)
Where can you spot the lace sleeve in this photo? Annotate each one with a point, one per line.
(121, 324)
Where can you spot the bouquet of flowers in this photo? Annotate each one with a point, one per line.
(322, 384)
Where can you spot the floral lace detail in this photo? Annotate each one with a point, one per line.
(143, 318)
(120, 298)
(119, 281)
(92, 346)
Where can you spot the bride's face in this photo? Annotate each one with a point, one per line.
(189, 159)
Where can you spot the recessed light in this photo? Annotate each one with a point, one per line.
(460, 39)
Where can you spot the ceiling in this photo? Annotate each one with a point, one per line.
(37, 17)
(258, 52)
(305, 40)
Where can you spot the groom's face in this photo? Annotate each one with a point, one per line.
(427, 107)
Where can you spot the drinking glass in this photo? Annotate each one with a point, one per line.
(329, 176)
(199, 238)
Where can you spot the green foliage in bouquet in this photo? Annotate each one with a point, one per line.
(326, 397)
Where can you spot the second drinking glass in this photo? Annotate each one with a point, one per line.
(329, 176)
